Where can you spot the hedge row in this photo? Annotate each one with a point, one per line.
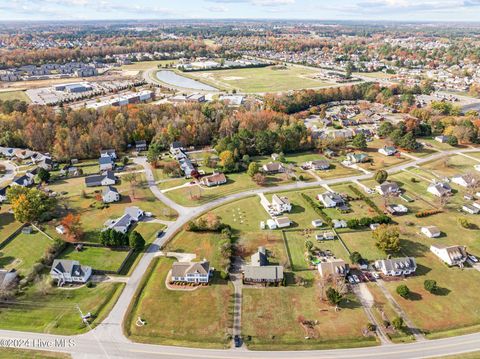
(318, 210)
(367, 221)
(423, 214)
(367, 200)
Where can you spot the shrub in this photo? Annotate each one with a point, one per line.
(89, 284)
(403, 291)
(430, 285)
(397, 323)
(367, 200)
(371, 327)
(428, 213)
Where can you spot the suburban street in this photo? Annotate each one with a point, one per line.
(118, 346)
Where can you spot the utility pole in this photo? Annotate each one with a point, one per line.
(85, 321)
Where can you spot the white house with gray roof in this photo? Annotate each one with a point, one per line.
(110, 194)
(69, 271)
(192, 272)
(396, 266)
(451, 255)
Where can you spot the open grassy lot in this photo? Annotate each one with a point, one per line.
(14, 95)
(243, 215)
(8, 225)
(380, 161)
(270, 316)
(30, 354)
(53, 310)
(100, 258)
(362, 242)
(266, 79)
(450, 166)
(196, 195)
(24, 251)
(164, 309)
(431, 143)
(473, 355)
(454, 309)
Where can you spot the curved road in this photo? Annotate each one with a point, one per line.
(107, 340)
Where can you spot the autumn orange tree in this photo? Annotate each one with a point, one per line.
(73, 227)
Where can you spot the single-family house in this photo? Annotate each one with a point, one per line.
(271, 224)
(260, 271)
(317, 165)
(25, 181)
(468, 208)
(281, 204)
(357, 157)
(192, 272)
(106, 163)
(106, 179)
(46, 163)
(396, 266)
(331, 200)
(387, 150)
(388, 188)
(186, 166)
(135, 212)
(463, 180)
(439, 189)
(110, 194)
(431, 231)
(109, 153)
(333, 267)
(8, 278)
(451, 255)
(273, 167)
(214, 180)
(69, 271)
(141, 145)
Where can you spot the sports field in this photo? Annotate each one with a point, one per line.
(265, 79)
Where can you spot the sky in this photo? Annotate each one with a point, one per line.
(401, 10)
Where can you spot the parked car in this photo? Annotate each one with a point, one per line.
(160, 233)
(376, 275)
(355, 278)
(238, 341)
(473, 258)
(350, 280)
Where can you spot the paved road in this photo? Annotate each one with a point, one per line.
(114, 344)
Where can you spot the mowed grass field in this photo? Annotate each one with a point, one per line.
(24, 251)
(205, 313)
(264, 79)
(14, 95)
(96, 257)
(54, 310)
(31, 354)
(270, 316)
(8, 224)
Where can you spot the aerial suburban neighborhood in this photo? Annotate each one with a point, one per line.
(264, 185)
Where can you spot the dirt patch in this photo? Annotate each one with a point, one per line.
(232, 78)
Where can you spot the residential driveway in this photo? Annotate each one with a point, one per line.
(366, 299)
(236, 278)
(401, 313)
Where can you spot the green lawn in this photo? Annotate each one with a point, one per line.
(99, 258)
(24, 251)
(52, 310)
(270, 316)
(31, 354)
(8, 224)
(205, 313)
(14, 95)
(93, 218)
(266, 79)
